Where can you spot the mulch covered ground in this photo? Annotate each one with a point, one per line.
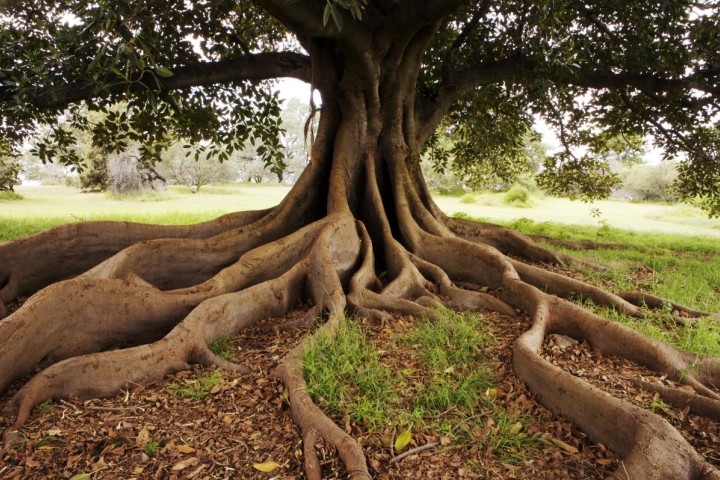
(151, 432)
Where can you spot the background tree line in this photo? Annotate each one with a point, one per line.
(185, 164)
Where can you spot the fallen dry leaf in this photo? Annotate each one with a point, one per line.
(184, 449)
(189, 462)
(266, 466)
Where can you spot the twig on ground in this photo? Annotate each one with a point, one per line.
(427, 446)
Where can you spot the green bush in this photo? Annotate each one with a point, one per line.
(9, 173)
(517, 196)
(468, 198)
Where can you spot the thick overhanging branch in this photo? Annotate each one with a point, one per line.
(259, 66)
(456, 84)
(410, 16)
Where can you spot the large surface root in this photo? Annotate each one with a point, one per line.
(30, 263)
(149, 321)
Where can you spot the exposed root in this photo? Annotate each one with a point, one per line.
(579, 244)
(29, 339)
(172, 297)
(566, 287)
(107, 373)
(508, 241)
(679, 398)
(651, 447)
(38, 260)
(648, 300)
(311, 420)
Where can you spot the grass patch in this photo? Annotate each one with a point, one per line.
(7, 196)
(222, 347)
(198, 388)
(440, 382)
(468, 198)
(346, 375)
(451, 350)
(151, 448)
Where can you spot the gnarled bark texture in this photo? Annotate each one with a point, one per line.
(360, 209)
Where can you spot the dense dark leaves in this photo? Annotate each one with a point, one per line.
(115, 51)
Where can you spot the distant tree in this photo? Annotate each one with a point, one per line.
(298, 130)
(181, 166)
(127, 175)
(9, 168)
(650, 182)
(93, 170)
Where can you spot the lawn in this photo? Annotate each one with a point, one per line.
(647, 217)
(43, 207)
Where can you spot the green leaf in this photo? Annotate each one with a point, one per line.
(337, 16)
(326, 13)
(164, 72)
(403, 440)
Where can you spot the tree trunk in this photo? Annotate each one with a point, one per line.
(358, 232)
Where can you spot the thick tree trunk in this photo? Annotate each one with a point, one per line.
(359, 213)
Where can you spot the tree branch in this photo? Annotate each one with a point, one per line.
(411, 15)
(457, 84)
(260, 66)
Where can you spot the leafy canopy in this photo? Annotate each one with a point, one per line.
(595, 71)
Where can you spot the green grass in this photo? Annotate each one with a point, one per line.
(198, 388)
(6, 196)
(345, 373)
(638, 217)
(45, 406)
(444, 388)
(222, 348)
(151, 448)
(451, 349)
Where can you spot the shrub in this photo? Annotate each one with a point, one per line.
(517, 196)
(9, 173)
(468, 198)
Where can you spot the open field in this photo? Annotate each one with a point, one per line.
(42, 207)
(646, 217)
